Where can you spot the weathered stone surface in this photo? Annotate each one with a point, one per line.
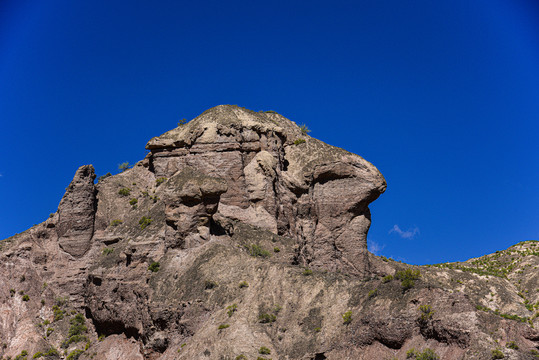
(77, 213)
(313, 192)
(199, 252)
(191, 199)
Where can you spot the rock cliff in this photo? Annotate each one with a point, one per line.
(239, 236)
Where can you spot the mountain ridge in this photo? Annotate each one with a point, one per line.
(240, 236)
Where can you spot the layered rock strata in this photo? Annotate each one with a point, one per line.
(280, 179)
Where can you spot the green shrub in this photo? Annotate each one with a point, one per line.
(107, 251)
(182, 122)
(76, 330)
(37, 355)
(124, 191)
(426, 313)
(144, 222)
(52, 352)
(307, 272)
(317, 329)
(231, 309)
(133, 201)
(373, 293)
(101, 337)
(511, 345)
(74, 355)
(58, 313)
(497, 354)
(257, 251)
(264, 351)
(387, 278)
(22, 356)
(116, 222)
(347, 317)
(299, 141)
(123, 166)
(243, 284)
(412, 353)
(241, 357)
(266, 318)
(49, 331)
(103, 177)
(304, 129)
(12, 292)
(407, 277)
(160, 180)
(276, 249)
(154, 266)
(427, 354)
(223, 326)
(25, 298)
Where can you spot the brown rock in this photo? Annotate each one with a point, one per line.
(313, 192)
(77, 213)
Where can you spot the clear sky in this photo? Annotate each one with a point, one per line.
(442, 96)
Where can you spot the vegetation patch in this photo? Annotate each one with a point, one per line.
(511, 345)
(160, 180)
(76, 331)
(74, 355)
(231, 309)
(299, 141)
(408, 277)
(154, 266)
(347, 317)
(144, 222)
(116, 222)
(258, 251)
(124, 191)
(266, 318)
(497, 354)
(425, 314)
(304, 129)
(427, 354)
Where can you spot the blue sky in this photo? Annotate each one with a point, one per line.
(442, 96)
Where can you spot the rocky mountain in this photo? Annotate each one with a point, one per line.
(239, 236)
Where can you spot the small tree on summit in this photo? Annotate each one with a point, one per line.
(123, 166)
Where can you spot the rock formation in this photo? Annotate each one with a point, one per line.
(76, 213)
(241, 237)
(280, 179)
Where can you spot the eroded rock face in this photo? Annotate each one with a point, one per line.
(196, 252)
(281, 180)
(76, 211)
(191, 199)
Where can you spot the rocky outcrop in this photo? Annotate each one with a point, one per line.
(280, 179)
(190, 199)
(240, 235)
(76, 211)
